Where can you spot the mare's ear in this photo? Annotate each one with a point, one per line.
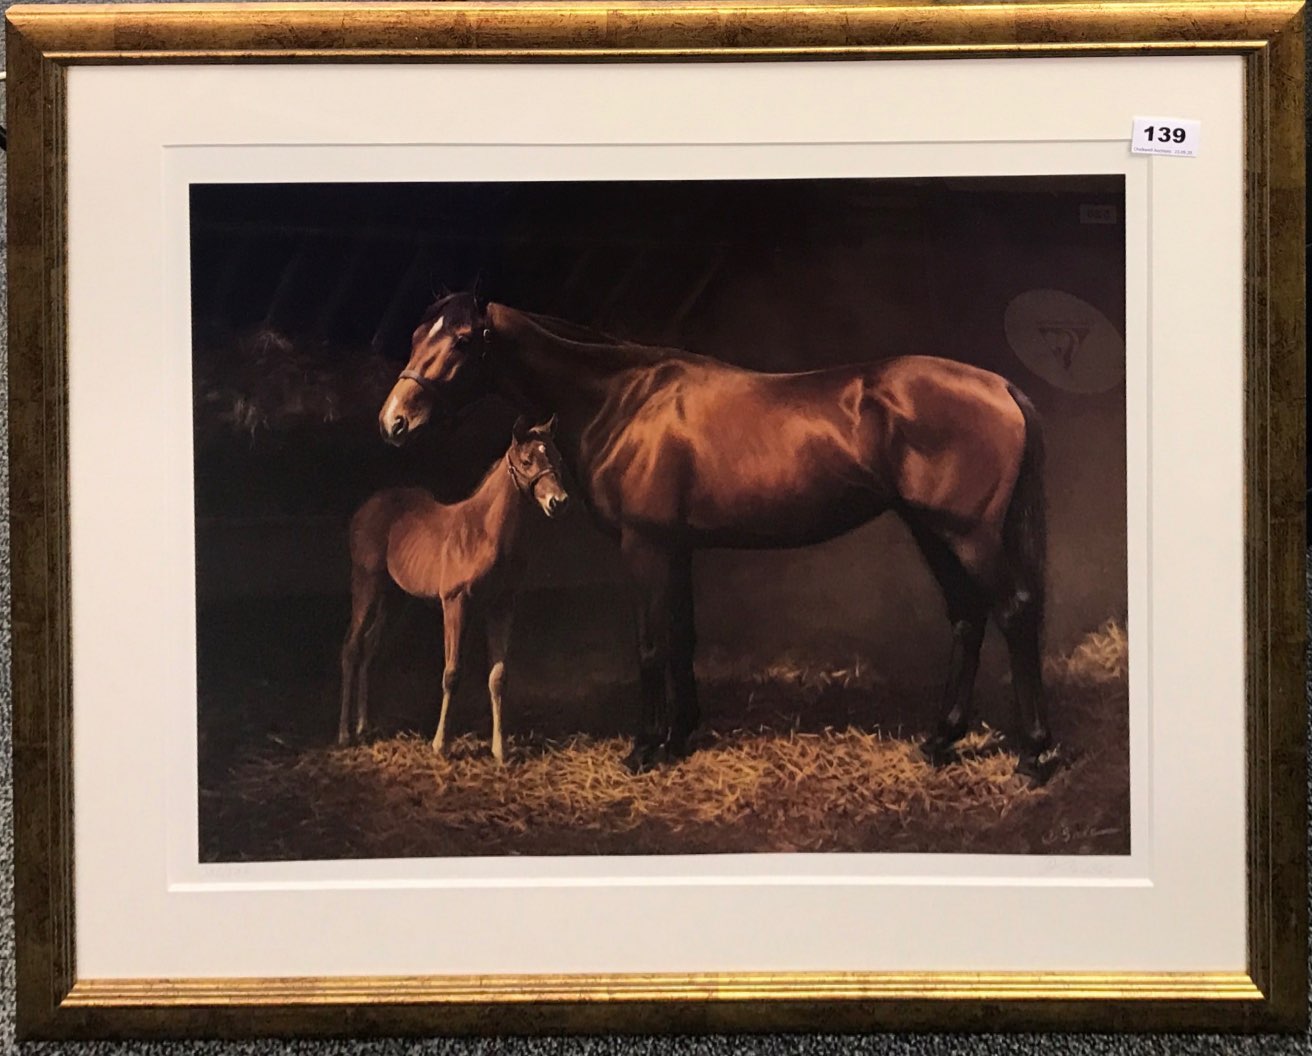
(521, 429)
(547, 428)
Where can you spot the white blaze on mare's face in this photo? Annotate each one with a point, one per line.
(392, 409)
(399, 402)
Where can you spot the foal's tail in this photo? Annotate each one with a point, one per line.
(1024, 530)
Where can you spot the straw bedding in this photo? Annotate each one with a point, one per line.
(756, 789)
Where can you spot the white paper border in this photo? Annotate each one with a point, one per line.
(137, 135)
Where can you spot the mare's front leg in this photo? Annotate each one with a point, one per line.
(453, 629)
(650, 566)
(498, 641)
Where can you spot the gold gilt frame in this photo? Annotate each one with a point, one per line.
(55, 1001)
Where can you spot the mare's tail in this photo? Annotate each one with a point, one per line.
(1025, 530)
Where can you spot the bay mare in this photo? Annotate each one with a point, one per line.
(672, 451)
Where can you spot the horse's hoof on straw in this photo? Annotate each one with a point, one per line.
(937, 754)
(644, 758)
(1038, 770)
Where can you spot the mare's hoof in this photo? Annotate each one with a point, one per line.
(644, 757)
(1039, 769)
(344, 739)
(938, 753)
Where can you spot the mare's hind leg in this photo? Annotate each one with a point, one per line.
(1017, 604)
(498, 640)
(365, 591)
(1021, 620)
(683, 647)
(453, 629)
(968, 611)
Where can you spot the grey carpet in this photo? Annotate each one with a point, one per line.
(769, 1045)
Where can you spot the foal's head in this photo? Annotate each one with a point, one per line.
(535, 465)
(446, 370)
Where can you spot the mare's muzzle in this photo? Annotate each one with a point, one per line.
(409, 406)
(555, 505)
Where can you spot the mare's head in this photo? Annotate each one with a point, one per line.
(535, 465)
(447, 368)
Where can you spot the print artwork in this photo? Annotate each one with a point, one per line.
(616, 518)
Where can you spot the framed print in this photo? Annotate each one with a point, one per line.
(657, 517)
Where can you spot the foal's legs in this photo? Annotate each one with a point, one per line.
(453, 627)
(498, 640)
(651, 567)
(968, 612)
(366, 596)
(372, 636)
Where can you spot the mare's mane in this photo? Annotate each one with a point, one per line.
(462, 309)
(586, 339)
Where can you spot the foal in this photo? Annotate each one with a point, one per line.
(462, 555)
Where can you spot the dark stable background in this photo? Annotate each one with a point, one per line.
(310, 289)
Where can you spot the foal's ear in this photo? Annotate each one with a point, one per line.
(521, 429)
(547, 428)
